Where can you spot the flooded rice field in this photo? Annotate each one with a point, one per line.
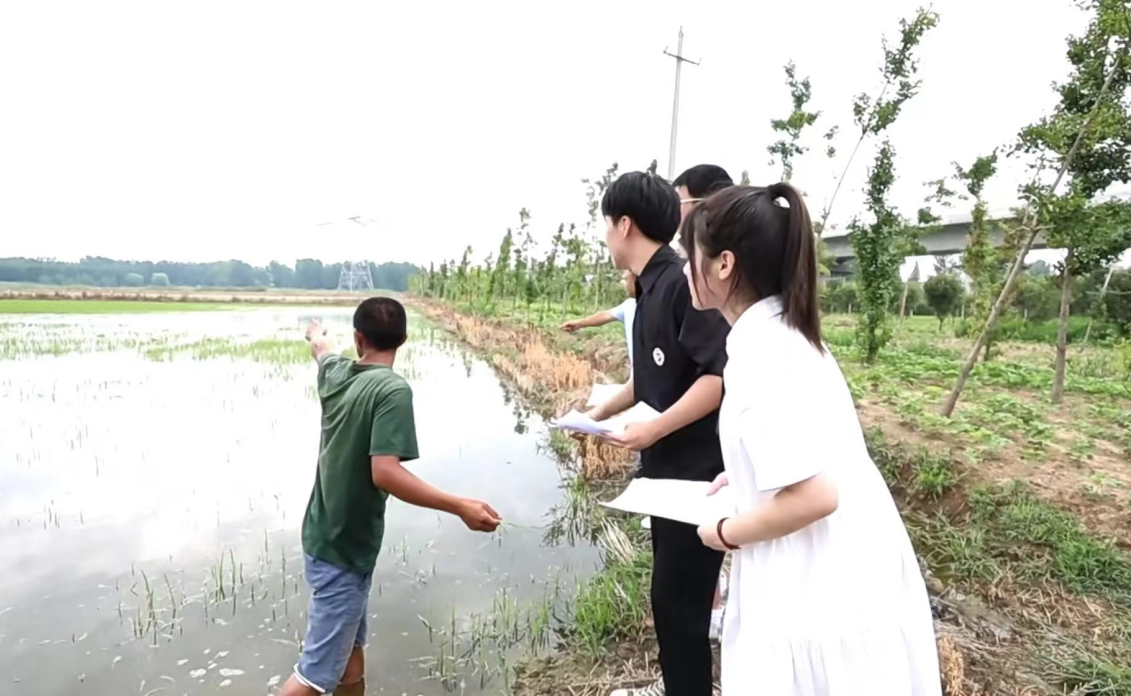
(154, 471)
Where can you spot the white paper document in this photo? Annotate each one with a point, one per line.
(579, 422)
(602, 393)
(682, 501)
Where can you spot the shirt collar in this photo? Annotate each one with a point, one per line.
(655, 267)
(755, 314)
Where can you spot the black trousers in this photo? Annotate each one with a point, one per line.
(685, 574)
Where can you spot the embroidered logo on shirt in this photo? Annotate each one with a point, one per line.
(658, 357)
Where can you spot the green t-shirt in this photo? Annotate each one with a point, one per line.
(366, 411)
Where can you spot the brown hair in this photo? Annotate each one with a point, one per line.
(773, 246)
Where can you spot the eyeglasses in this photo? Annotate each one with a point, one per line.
(684, 201)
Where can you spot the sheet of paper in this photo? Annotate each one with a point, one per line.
(602, 393)
(682, 501)
(639, 413)
(579, 422)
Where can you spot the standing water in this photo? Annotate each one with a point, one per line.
(154, 471)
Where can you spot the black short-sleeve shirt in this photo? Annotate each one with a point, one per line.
(674, 345)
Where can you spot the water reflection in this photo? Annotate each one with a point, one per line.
(153, 474)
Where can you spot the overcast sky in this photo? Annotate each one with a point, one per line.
(215, 130)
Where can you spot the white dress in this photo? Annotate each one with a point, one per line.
(838, 608)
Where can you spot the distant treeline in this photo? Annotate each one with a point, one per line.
(309, 274)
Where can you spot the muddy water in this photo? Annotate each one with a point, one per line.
(154, 470)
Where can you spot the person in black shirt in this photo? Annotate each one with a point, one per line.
(697, 183)
(679, 355)
(693, 186)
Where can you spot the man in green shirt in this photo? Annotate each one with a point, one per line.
(368, 430)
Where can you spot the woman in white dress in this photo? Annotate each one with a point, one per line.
(827, 598)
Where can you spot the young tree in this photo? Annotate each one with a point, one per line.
(497, 284)
(445, 266)
(985, 264)
(878, 256)
(594, 190)
(844, 297)
(873, 116)
(928, 222)
(1094, 236)
(522, 258)
(945, 294)
(878, 245)
(788, 147)
(463, 279)
(160, 280)
(576, 253)
(1089, 125)
(1035, 298)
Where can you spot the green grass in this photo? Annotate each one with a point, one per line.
(934, 475)
(1086, 674)
(1063, 548)
(1008, 526)
(613, 604)
(954, 551)
(107, 307)
(266, 350)
(562, 445)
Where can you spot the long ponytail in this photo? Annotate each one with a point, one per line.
(773, 245)
(799, 267)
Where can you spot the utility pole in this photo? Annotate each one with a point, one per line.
(679, 61)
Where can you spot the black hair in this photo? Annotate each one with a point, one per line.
(774, 248)
(649, 201)
(704, 179)
(382, 323)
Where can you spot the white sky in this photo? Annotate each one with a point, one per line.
(208, 130)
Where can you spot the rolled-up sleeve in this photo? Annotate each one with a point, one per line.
(776, 424)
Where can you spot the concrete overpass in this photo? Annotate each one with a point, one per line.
(950, 239)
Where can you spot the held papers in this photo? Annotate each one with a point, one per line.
(582, 423)
(682, 501)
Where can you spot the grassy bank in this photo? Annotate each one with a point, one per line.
(1019, 509)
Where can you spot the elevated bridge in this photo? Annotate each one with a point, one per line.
(950, 239)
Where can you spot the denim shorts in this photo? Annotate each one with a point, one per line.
(335, 623)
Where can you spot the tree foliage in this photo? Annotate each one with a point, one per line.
(1086, 141)
(790, 128)
(944, 294)
(880, 245)
(1089, 134)
(899, 70)
(878, 257)
(874, 116)
(985, 262)
(573, 271)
